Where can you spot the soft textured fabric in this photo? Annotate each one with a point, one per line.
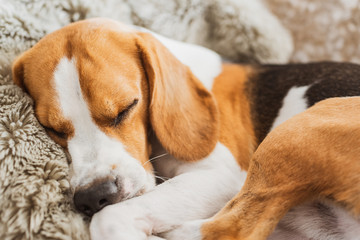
(34, 191)
(35, 200)
(322, 30)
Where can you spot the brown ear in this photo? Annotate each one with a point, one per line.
(18, 73)
(183, 113)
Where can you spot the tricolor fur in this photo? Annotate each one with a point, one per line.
(115, 98)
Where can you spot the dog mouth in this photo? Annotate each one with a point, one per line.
(129, 195)
(92, 199)
(110, 189)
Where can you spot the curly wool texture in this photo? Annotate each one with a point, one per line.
(35, 200)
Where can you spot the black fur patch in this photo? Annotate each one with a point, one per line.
(271, 83)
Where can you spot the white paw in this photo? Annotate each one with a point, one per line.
(189, 231)
(120, 222)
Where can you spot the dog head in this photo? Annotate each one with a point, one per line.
(100, 88)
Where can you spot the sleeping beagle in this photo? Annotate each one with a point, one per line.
(130, 106)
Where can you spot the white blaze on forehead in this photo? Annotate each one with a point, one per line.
(93, 153)
(70, 97)
(293, 103)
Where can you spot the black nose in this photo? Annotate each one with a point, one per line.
(96, 196)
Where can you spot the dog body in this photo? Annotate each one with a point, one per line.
(318, 160)
(116, 100)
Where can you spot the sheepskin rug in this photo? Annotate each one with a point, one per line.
(35, 201)
(322, 30)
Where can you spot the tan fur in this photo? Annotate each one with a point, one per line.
(32, 72)
(236, 129)
(314, 155)
(117, 65)
(183, 113)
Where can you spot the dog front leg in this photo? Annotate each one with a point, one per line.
(198, 191)
(251, 215)
(276, 182)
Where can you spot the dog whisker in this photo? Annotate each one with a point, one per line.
(159, 156)
(162, 178)
(154, 158)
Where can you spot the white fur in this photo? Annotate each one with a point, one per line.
(196, 191)
(204, 63)
(293, 103)
(93, 152)
(304, 222)
(190, 230)
(349, 226)
(307, 222)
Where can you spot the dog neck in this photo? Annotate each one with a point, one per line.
(236, 128)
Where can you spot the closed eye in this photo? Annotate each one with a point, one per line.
(61, 135)
(124, 113)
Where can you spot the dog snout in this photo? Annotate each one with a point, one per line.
(96, 196)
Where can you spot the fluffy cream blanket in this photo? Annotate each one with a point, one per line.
(35, 201)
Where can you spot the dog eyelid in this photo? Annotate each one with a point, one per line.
(61, 135)
(123, 114)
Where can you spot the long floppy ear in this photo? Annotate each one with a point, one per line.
(183, 113)
(18, 73)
